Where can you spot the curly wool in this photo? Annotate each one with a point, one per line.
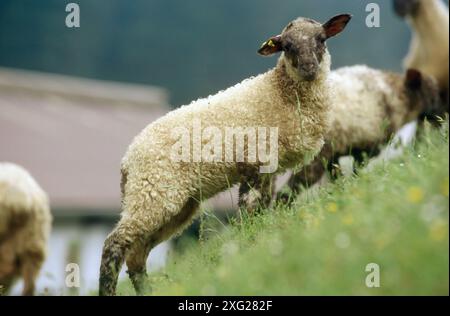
(368, 107)
(157, 187)
(25, 223)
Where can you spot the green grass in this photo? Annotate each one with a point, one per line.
(395, 215)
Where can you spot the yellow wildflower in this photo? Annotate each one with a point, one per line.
(348, 219)
(415, 194)
(332, 207)
(178, 290)
(438, 230)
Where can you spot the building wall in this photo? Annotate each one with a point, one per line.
(71, 133)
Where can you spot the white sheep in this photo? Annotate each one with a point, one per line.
(368, 107)
(25, 223)
(160, 194)
(429, 48)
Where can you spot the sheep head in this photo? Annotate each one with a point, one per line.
(303, 44)
(424, 97)
(406, 7)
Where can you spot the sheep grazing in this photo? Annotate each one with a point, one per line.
(25, 223)
(429, 48)
(162, 188)
(368, 107)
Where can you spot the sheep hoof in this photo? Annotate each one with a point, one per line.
(140, 282)
(285, 198)
(107, 286)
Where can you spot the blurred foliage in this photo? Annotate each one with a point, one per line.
(192, 48)
(395, 215)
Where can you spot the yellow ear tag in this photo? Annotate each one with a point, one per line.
(268, 43)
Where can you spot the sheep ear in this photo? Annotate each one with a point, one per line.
(271, 46)
(336, 24)
(413, 79)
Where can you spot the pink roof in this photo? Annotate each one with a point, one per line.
(72, 133)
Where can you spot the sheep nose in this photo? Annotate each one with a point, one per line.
(307, 67)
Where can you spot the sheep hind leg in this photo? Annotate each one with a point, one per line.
(6, 285)
(137, 257)
(136, 263)
(116, 245)
(30, 270)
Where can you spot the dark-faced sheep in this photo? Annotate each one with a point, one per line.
(369, 107)
(429, 48)
(162, 189)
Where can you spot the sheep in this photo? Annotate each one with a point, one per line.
(25, 223)
(429, 48)
(369, 107)
(160, 194)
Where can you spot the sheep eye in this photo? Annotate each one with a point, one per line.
(321, 39)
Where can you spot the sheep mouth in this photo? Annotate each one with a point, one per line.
(307, 75)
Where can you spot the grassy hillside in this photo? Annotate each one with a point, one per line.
(395, 215)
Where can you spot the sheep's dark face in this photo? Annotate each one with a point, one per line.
(303, 44)
(424, 96)
(406, 7)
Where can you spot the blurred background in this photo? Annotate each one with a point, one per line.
(72, 99)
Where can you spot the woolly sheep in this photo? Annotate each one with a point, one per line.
(25, 223)
(368, 107)
(160, 196)
(429, 48)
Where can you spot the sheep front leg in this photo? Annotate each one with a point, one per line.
(305, 178)
(308, 175)
(361, 155)
(255, 192)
